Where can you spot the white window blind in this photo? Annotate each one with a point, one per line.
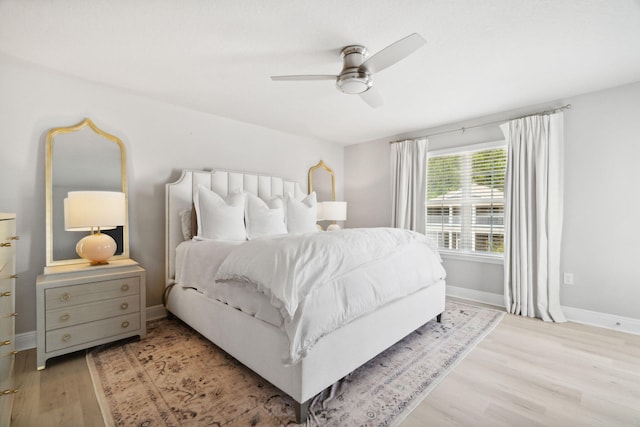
(465, 199)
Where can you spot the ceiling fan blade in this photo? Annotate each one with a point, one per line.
(303, 77)
(372, 97)
(393, 53)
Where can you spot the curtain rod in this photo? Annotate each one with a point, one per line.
(463, 129)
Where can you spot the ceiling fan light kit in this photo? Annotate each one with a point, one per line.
(353, 79)
(356, 77)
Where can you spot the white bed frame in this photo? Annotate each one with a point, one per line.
(259, 345)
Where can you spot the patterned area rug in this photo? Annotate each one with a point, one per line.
(176, 377)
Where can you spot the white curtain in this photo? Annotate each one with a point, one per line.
(533, 216)
(408, 176)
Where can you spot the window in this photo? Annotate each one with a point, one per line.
(465, 198)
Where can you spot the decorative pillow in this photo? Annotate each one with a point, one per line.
(185, 223)
(220, 218)
(264, 218)
(301, 215)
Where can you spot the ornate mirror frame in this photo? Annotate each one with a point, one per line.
(322, 165)
(49, 190)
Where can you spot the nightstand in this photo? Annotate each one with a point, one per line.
(81, 306)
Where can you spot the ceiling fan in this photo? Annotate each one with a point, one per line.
(357, 72)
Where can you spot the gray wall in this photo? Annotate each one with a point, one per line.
(602, 201)
(160, 139)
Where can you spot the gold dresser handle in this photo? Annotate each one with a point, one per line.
(65, 317)
(13, 276)
(5, 294)
(7, 342)
(14, 314)
(5, 245)
(14, 352)
(65, 297)
(124, 287)
(125, 324)
(8, 391)
(124, 306)
(66, 337)
(14, 238)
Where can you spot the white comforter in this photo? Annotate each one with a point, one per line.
(321, 281)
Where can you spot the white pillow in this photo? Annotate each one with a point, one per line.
(264, 218)
(220, 218)
(185, 223)
(301, 215)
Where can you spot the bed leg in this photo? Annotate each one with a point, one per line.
(439, 318)
(302, 410)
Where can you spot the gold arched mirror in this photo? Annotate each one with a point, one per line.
(81, 158)
(319, 182)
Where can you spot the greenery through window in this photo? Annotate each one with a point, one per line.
(465, 199)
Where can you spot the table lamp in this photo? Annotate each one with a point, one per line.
(334, 211)
(95, 211)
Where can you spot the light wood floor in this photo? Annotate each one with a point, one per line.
(525, 373)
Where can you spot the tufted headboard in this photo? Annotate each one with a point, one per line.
(179, 196)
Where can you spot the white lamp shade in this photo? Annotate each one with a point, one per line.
(334, 211)
(319, 211)
(86, 209)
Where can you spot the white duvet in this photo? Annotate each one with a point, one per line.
(321, 281)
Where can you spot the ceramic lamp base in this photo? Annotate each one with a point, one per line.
(333, 227)
(96, 248)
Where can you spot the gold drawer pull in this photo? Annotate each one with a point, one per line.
(66, 337)
(7, 342)
(14, 238)
(13, 276)
(14, 314)
(124, 305)
(125, 324)
(65, 317)
(8, 391)
(5, 245)
(65, 297)
(5, 294)
(124, 287)
(13, 353)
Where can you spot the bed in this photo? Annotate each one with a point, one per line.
(255, 340)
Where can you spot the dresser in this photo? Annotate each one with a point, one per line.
(81, 306)
(7, 313)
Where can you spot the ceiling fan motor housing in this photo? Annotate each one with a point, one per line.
(352, 78)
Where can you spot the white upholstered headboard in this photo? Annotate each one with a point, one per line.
(179, 196)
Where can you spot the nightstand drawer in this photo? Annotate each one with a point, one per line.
(7, 254)
(65, 296)
(7, 325)
(87, 332)
(70, 316)
(6, 297)
(6, 360)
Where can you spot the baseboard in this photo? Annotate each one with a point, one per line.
(27, 340)
(602, 320)
(156, 312)
(577, 315)
(477, 296)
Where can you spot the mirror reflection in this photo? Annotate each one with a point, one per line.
(81, 158)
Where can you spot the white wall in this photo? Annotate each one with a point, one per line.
(160, 139)
(602, 201)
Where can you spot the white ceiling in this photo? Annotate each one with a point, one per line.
(216, 56)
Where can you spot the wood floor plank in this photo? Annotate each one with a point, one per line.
(536, 372)
(525, 372)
